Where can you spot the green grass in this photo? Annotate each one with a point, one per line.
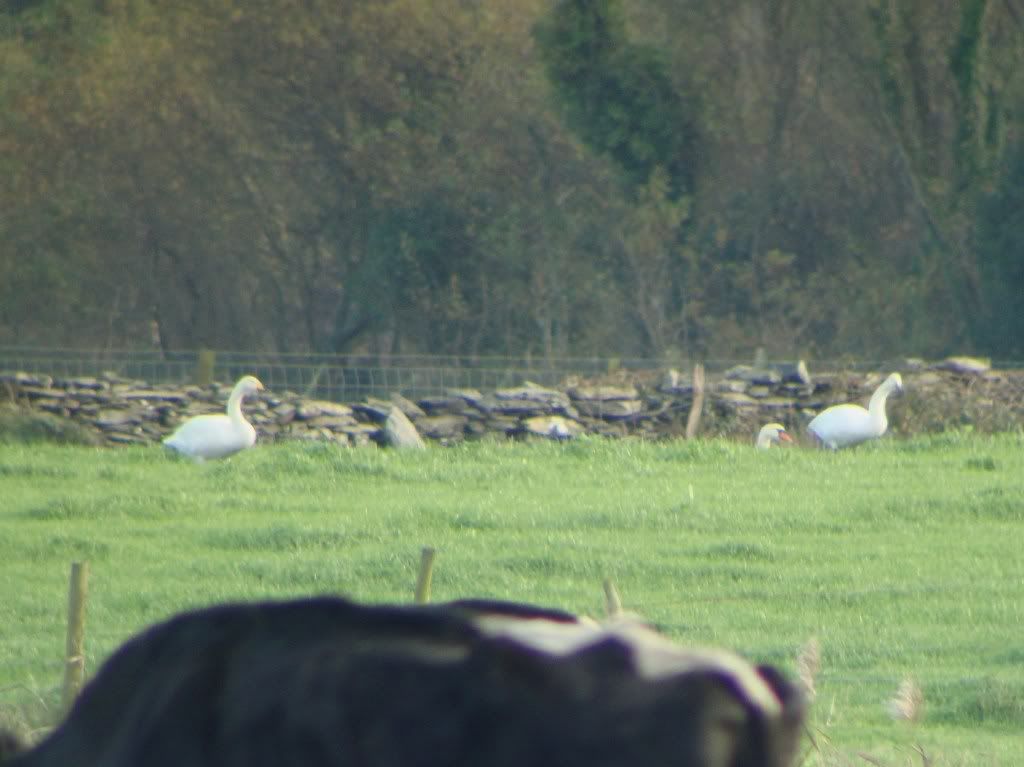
(902, 558)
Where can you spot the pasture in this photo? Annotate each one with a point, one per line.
(902, 558)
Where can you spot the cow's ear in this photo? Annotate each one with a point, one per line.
(794, 710)
(789, 694)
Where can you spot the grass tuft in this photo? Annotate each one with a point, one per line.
(24, 426)
(986, 701)
(907, 704)
(982, 463)
(808, 666)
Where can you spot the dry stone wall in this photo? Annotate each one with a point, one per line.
(955, 393)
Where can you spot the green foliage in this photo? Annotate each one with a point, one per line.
(657, 269)
(618, 95)
(964, 56)
(898, 556)
(53, 28)
(999, 326)
(964, 63)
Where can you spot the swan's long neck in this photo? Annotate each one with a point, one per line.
(235, 404)
(876, 407)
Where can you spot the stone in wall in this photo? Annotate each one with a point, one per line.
(553, 427)
(399, 431)
(446, 428)
(616, 409)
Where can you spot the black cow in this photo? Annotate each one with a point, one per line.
(328, 683)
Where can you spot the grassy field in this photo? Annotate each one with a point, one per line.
(902, 558)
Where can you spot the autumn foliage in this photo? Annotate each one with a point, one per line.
(580, 177)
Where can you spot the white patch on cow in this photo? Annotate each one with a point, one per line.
(654, 655)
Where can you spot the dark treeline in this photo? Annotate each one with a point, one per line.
(649, 178)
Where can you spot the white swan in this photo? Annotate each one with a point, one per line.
(847, 425)
(772, 434)
(218, 435)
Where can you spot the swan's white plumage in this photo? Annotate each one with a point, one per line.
(218, 435)
(772, 434)
(847, 425)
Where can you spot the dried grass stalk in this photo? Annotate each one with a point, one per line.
(908, 703)
(808, 664)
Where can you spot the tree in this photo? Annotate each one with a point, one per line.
(999, 325)
(617, 94)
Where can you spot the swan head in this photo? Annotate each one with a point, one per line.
(895, 383)
(248, 385)
(772, 433)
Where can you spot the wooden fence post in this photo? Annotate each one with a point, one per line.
(426, 572)
(74, 664)
(693, 421)
(612, 602)
(205, 363)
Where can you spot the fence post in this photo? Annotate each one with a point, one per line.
(426, 572)
(612, 601)
(693, 421)
(74, 664)
(205, 363)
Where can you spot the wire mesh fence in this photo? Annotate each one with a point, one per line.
(326, 376)
(347, 378)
